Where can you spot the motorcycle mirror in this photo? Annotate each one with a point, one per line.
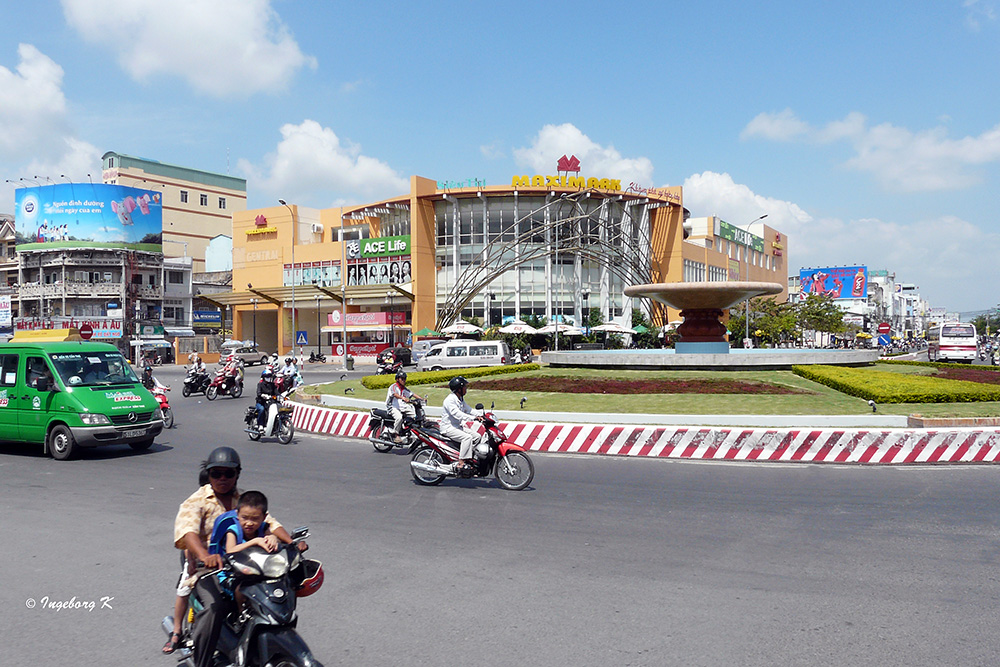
(479, 406)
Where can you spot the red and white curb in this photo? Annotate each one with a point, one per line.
(830, 445)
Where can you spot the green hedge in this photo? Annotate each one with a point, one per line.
(937, 364)
(435, 377)
(889, 387)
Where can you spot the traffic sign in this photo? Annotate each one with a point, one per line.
(301, 338)
(884, 328)
(86, 331)
(883, 339)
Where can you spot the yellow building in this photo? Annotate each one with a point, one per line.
(549, 245)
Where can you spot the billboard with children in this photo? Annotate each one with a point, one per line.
(89, 214)
(838, 282)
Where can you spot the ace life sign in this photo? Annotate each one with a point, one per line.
(387, 246)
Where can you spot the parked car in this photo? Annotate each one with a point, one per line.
(422, 347)
(394, 355)
(248, 353)
(465, 354)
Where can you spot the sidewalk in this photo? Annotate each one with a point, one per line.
(814, 439)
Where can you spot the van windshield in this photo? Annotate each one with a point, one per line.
(81, 369)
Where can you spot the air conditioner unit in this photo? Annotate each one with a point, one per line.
(317, 229)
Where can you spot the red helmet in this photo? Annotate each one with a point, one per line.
(313, 572)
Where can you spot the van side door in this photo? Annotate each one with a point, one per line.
(10, 396)
(36, 406)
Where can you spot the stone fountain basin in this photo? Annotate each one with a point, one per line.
(703, 296)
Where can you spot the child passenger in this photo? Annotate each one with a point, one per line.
(243, 527)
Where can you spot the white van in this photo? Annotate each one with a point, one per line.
(465, 354)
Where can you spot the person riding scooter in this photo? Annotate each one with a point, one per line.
(400, 400)
(266, 392)
(456, 412)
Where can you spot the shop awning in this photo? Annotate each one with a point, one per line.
(362, 329)
(151, 342)
(178, 332)
(306, 294)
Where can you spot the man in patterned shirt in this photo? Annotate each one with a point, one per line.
(192, 529)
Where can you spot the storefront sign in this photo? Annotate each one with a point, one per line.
(207, 318)
(5, 320)
(360, 349)
(262, 230)
(666, 193)
(740, 236)
(365, 319)
(105, 328)
(467, 183)
(385, 246)
(571, 163)
(579, 182)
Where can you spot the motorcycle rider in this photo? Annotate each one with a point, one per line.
(199, 369)
(456, 412)
(266, 391)
(150, 382)
(400, 400)
(192, 530)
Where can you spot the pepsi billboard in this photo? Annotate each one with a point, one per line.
(89, 214)
(837, 282)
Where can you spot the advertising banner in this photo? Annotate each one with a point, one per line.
(838, 282)
(207, 318)
(334, 319)
(5, 319)
(360, 349)
(104, 328)
(386, 246)
(71, 215)
(740, 236)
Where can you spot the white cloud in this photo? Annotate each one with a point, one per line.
(36, 137)
(221, 48)
(978, 11)
(900, 159)
(491, 151)
(311, 162)
(946, 256)
(554, 141)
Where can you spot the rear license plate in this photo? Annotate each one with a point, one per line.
(134, 433)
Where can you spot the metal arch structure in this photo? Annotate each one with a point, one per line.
(589, 235)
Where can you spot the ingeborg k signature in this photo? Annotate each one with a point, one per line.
(73, 603)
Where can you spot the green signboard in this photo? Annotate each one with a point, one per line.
(386, 246)
(740, 236)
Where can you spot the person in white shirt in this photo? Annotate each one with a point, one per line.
(399, 400)
(456, 412)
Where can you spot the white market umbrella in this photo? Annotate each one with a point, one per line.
(564, 329)
(518, 327)
(612, 327)
(461, 328)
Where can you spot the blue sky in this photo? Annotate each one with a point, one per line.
(868, 132)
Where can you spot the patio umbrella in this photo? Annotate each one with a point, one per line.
(640, 329)
(612, 327)
(564, 329)
(518, 327)
(426, 332)
(461, 328)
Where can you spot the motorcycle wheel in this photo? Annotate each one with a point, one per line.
(237, 390)
(521, 471)
(285, 430)
(380, 434)
(426, 455)
(168, 418)
(253, 434)
(186, 391)
(211, 392)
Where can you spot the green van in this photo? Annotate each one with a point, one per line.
(68, 395)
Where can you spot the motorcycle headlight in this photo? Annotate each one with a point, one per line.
(92, 419)
(275, 565)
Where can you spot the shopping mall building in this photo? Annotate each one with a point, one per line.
(549, 245)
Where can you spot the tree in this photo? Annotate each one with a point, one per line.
(819, 313)
(647, 339)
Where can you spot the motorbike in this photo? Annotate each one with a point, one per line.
(263, 632)
(317, 358)
(278, 421)
(380, 428)
(436, 456)
(388, 368)
(227, 380)
(195, 383)
(168, 414)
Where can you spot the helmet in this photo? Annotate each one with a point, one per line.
(401, 375)
(288, 360)
(312, 571)
(457, 383)
(147, 370)
(267, 372)
(222, 457)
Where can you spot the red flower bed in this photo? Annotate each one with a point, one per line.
(568, 385)
(969, 375)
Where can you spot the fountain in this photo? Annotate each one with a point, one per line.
(702, 343)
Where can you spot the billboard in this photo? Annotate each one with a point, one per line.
(71, 215)
(838, 282)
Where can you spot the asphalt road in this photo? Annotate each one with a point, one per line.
(602, 561)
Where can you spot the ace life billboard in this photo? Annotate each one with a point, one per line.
(89, 214)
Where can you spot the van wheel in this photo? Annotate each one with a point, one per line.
(141, 445)
(62, 446)
(437, 368)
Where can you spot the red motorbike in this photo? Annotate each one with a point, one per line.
(227, 380)
(437, 456)
(160, 394)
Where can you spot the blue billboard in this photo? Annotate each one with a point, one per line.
(838, 282)
(89, 214)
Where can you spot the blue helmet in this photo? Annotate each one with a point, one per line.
(267, 372)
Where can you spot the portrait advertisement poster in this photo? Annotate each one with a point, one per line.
(838, 282)
(69, 215)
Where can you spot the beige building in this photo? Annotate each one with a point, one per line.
(197, 205)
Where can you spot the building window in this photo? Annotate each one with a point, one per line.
(175, 277)
(184, 196)
(204, 200)
(111, 163)
(222, 202)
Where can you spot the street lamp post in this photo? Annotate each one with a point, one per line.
(292, 214)
(343, 288)
(254, 302)
(746, 250)
(392, 330)
(489, 306)
(585, 293)
(319, 340)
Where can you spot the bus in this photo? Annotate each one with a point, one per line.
(952, 341)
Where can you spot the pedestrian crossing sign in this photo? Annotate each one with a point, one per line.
(301, 338)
